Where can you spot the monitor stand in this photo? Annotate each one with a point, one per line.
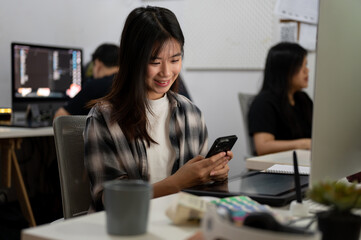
(35, 113)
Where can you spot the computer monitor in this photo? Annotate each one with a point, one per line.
(336, 131)
(44, 75)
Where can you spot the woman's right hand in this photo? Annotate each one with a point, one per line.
(198, 170)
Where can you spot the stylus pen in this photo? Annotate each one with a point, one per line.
(297, 178)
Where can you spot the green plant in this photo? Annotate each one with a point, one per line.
(340, 196)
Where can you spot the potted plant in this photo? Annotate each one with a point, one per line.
(339, 222)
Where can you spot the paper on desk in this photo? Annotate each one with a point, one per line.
(186, 208)
(287, 169)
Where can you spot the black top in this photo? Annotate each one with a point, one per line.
(93, 89)
(267, 115)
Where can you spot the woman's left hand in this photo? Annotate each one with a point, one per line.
(220, 173)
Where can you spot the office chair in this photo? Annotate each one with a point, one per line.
(74, 182)
(245, 101)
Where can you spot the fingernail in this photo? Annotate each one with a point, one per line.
(211, 174)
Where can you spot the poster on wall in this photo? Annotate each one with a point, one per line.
(299, 10)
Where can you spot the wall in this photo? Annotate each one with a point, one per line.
(87, 23)
(80, 23)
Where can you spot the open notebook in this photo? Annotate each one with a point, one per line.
(287, 169)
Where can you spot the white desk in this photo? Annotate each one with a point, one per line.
(93, 226)
(20, 132)
(266, 161)
(11, 139)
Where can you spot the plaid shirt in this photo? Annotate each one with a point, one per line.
(109, 156)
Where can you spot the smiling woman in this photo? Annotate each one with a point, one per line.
(164, 69)
(143, 129)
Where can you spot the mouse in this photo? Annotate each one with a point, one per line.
(266, 221)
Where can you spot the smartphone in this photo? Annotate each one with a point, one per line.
(222, 144)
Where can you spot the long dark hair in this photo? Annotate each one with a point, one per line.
(146, 30)
(283, 61)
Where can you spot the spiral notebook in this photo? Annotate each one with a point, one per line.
(287, 169)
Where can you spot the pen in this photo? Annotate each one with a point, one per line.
(297, 178)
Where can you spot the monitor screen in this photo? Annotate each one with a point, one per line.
(336, 136)
(43, 72)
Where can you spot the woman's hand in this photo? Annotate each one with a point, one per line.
(220, 173)
(200, 170)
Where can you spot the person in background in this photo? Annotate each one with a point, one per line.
(104, 67)
(280, 117)
(143, 129)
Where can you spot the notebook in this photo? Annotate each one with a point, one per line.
(287, 169)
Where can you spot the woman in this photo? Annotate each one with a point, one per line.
(143, 129)
(280, 117)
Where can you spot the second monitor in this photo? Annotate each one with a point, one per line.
(44, 76)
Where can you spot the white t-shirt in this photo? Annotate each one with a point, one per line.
(160, 156)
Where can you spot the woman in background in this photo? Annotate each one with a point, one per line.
(143, 129)
(280, 116)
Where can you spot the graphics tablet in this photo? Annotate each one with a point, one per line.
(266, 188)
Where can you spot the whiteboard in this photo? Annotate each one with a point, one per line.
(228, 34)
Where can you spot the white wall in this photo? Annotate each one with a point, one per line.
(74, 23)
(88, 23)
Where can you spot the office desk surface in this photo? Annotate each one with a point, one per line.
(20, 132)
(93, 226)
(266, 161)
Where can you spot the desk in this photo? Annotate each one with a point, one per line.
(93, 226)
(266, 161)
(10, 140)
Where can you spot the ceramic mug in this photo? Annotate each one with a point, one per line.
(126, 204)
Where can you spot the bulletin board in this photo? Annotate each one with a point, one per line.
(228, 34)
